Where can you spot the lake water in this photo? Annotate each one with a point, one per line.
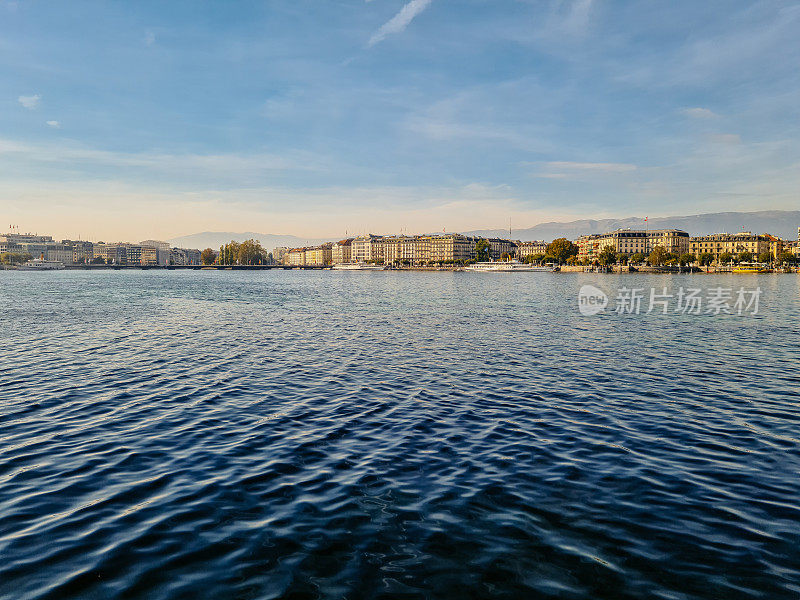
(329, 434)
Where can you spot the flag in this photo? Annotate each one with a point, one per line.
(645, 218)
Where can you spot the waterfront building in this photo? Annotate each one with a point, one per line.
(82, 252)
(588, 246)
(278, 253)
(59, 253)
(162, 250)
(367, 248)
(184, 256)
(319, 255)
(402, 250)
(718, 244)
(340, 251)
(295, 257)
(114, 254)
(526, 249)
(632, 241)
(446, 248)
(499, 247)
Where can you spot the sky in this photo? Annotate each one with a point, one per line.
(151, 119)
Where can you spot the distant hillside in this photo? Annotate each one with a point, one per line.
(214, 239)
(783, 223)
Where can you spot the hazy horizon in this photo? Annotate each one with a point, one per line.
(312, 119)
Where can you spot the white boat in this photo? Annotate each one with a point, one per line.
(358, 267)
(507, 266)
(40, 264)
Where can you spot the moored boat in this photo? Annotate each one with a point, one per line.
(41, 264)
(751, 268)
(507, 266)
(358, 267)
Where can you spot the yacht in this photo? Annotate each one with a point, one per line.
(358, 267)
(40, 264)
(507, 266)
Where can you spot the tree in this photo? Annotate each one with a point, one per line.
(686, 259)
(765, 257)
(706, 258)
(622, 258)
(745, 256)
(229, 253)
(638, 258)
(607, 256)
(533, 258)
(207, 256)
(725, 258)
(561, 249)
(786, 257)
(658, 256)
(15, 258)
(250, 252)
(98, 260)
(482, 250)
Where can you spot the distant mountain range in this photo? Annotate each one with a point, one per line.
(783, 223)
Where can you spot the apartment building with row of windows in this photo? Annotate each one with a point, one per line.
(631, 241)
(718, 244)
(76, 252)
(310, 255)
(411, 250)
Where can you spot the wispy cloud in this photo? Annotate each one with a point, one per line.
(149, 38)
(596, 167)
(54, 124)
(577, 19)
(699, 113)
(30, 102)
(76, 156)
(400, 21)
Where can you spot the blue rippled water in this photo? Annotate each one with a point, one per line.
(393, 435)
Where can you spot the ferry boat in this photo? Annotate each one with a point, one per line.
(751, 268)
(358, 267)
(507, 266)
(40, 264)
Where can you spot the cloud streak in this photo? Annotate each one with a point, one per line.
(699, 113)
(596, 167)
(400, 21)
(30, 102)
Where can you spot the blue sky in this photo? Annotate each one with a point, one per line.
(130, 120)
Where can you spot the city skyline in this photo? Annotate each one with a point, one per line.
(315, 119)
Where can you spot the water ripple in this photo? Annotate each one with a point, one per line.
(385, 435)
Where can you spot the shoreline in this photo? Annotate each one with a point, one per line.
(564, 269)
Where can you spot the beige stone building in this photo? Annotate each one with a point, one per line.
(445, 248)
(526, 249)
(295, 257)
(319, 255)
(341, 251)
(367, 248)
(414, 250)
(718, 244)
(632, 241)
